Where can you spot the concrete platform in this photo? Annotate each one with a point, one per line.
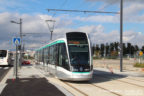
(30, 82)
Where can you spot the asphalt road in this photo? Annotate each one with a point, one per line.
(3, 72)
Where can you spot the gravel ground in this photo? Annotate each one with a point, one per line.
(115, 64)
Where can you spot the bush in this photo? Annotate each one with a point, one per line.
(141, 65)
(97, 58)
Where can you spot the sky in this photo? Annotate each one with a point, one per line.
(102, 28)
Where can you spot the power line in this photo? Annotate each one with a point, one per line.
(83, 11)
(63, 3)
(60, 7)
(34, 33)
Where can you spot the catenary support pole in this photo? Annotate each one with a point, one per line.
(121, 35)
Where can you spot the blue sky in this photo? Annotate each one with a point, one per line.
(33, 13)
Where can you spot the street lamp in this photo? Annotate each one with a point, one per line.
(20, 23)
(50, 28)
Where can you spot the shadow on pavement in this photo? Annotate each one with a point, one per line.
(30, 87)
(101, 76)
(27, 65)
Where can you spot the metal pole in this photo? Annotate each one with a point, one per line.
(21, 29)
(51, 35)
(16, 61)
(20, 42)
(121, 36)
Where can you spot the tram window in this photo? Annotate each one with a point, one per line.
(63, 59)
(48, 55)
(51, 54)
(55, 54)
(79, 54)
(40, 55)
(45, 55)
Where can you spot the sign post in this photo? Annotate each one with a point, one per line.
(16, 41)
(140, 56)
(140, 53)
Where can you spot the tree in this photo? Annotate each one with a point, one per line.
(93, 49)
(136, 48)
(111, 48)
(102, 47)
(107, 49)
(124, 49)
(142, 49)
(129, 49)
(116, 44)
(97, 50)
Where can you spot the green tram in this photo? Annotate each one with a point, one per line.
(68, 58)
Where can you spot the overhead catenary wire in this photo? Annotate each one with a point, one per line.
(60, 7)
(83, 11)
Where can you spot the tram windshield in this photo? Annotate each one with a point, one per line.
(3, 53)
(78, 50)
(79, 54)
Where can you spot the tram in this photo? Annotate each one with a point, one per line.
(68, 58)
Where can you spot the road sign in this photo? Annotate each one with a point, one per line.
(140, 53)
(16, 41)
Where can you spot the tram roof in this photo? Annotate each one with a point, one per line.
(61, 40)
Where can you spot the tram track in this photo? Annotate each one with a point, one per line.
(135, 79)
(120, 80)
(106, 90)
(94, 86)
(75, 89)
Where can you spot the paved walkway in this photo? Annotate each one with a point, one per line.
(30, 83)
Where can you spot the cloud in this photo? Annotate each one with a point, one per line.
(30, 24)
(116, 1)
(132, 11)
(133, 14)
(98, 35)
(100, 18)
(35, 24)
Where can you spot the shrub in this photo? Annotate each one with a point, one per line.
(141, 65)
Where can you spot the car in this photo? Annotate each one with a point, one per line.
(25, 62)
